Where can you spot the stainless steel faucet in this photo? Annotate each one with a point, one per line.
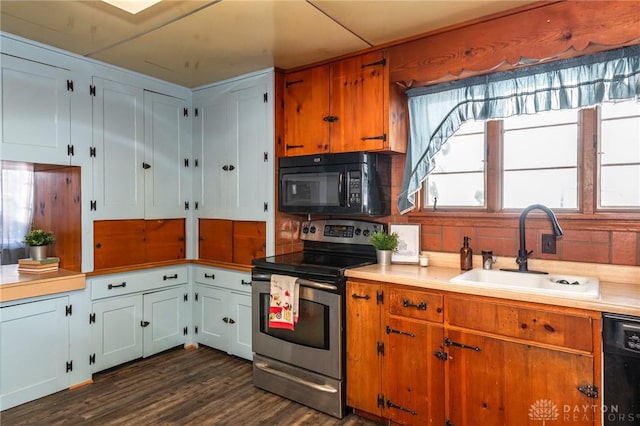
(523, 254)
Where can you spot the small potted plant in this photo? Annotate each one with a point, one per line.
(385, 244)
(38, 241)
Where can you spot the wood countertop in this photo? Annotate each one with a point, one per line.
(16, 285)
(619, 286)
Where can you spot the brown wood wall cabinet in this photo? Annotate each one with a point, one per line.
(340, 107)
(419, 357)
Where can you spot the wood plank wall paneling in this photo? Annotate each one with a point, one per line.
(231, 241)
(137, 241)
(56, 191)
(549, 31)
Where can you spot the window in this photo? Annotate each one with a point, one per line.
(619, 155)
(16, 185)
(458, 179)
(540, 160)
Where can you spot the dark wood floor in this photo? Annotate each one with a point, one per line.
(178, 387)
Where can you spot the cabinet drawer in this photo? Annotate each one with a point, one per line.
(232, 280)
(538, 325)
(118, 284)
(416, 304)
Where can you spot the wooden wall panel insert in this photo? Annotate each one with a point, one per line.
(118, 243)
(249, 241)
(165, 239)
(215, 240)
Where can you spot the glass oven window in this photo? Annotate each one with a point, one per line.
(312, 328)
(304, 189)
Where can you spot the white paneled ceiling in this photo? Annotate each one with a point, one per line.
(197, 42)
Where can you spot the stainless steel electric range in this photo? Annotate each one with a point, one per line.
(307, 364)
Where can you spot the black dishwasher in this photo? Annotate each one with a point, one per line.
(621, 339)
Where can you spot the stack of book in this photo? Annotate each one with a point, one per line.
(50, 264)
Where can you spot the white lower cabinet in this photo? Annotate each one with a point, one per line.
(222, 310)
(152, 318)
(34, 350)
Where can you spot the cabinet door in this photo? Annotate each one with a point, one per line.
(306, 111)
(509, 383)
(413, 385)
(117, 332)
(211, 137)
(239, 305)
(164, 320)
(166, 179)
(35, 117)
(364, 338)
(210, 310)
(248, 177)
(34, 350)
(358, 93)
(118, 180)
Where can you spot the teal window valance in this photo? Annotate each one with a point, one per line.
(436, 112)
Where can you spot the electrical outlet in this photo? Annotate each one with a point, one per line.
(549, 243)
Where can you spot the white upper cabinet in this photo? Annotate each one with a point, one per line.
(35, 117)
(167, 164)
(118, 138)
(233, 145)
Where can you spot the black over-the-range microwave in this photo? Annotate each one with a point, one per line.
(354, 183)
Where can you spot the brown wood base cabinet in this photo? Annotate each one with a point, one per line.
(422, 357)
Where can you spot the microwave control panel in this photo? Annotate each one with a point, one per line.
(339, 231)
(354, 189)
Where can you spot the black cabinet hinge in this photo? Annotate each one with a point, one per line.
(186, 297)
(92, 90)
(146, 166)
(69, 85)
(92, 151)
(442, 355)
(186, 162)
(185, 331)
(379, 137)
(403, 333)
(185, 112)
(265, 97)
(69, 366)
(70, 151)
(92, 318)
(186, 205)
(380, 348)
(195, 297)
(68, 310)
(382, 62)
(92, 359)
(380, 402)
(195, 163)
(195, 205)
(195, 329)
(379, 297)
(195, 112)
(266, 207)
(400, 407)
(448, 342)
(265, 157)
(589, 390)
(291, 83)
(92, 205)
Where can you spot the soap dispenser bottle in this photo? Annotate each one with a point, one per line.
(466, 256)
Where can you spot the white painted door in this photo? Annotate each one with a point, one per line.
(34, 350)
(118, 129)
(210, 309)
(164, 320)
(239, 305)
(167, 178)
(35, 111)
(117, 331)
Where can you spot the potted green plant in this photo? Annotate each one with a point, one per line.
(38, 241)
(385, 244)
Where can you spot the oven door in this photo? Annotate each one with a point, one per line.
(316, 343)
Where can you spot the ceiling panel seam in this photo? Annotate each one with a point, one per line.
(339, 23)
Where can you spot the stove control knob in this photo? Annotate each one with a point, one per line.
(365, 233)
(312, 229)
(305, 230)
(358, 231)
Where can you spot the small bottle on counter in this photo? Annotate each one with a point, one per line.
(424, 258)
(466, 256)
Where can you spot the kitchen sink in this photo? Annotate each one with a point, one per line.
(550, 284)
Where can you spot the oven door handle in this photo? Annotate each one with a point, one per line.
(305, 283)
(323, 388)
